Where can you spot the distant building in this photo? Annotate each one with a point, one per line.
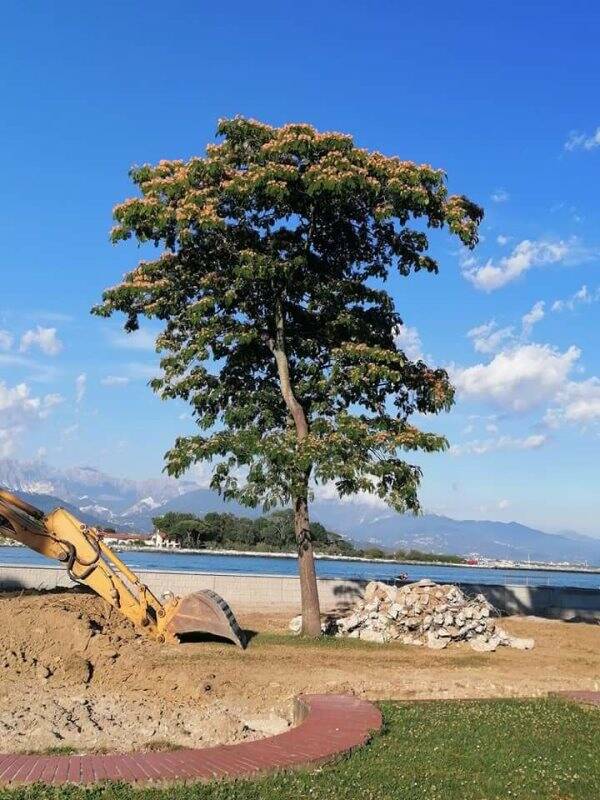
(163, 541)
(117, 539)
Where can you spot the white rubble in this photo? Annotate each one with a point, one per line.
(295, 625)
(422, 613)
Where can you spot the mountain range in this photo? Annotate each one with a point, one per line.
(125, 504)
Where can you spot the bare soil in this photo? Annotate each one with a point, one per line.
(74, 674)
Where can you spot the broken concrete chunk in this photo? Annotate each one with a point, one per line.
(370, 635)
(329, 625)
(482, 645)
(435, 642)
(349, 623)
(521, 644)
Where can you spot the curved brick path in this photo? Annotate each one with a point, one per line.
(329, 726)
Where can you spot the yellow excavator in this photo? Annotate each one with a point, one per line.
(89, 561)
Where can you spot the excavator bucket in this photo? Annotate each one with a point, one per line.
(205, 612)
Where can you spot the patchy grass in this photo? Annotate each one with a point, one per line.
(161, 746)
(58, 750)
(462, 654)
(463, 750)
(325, 642)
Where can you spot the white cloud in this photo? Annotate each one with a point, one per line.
(525, 255)
(502, 240)
(408, 340)
(6, 341)
(500, 196)
(45, 339)
(142, 339)
(578, 402)
(480, 447)
(49, 401)
(502, 504)
(328, 491)
(80, 386)
(114, 380)
(581, 297)
(488, 338)
(581, 141)
(8, 437)
(532, 317)
(18, 409)
(518, 379)
(67, 433)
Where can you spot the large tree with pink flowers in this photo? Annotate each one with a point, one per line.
(270, 280)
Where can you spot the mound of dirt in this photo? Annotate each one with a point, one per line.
(74, 673)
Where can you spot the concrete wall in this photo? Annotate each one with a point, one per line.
(242, 592)
(274, 593)
(554, 602)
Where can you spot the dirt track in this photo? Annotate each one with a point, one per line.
(74, 674)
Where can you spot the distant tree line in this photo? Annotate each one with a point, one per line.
(409, 555)
(271, 533)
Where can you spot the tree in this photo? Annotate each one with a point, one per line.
(275, 248)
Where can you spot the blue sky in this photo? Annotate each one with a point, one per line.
(502, 96)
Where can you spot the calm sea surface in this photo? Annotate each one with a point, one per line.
(269, 565)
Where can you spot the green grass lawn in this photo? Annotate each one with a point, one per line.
(500, 749)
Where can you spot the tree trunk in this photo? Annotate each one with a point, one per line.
(311, 614)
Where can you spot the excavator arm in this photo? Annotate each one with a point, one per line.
(89, 561)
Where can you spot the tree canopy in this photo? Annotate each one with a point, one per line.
(284, 236)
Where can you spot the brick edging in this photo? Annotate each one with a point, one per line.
(584, 696)
(328, 726)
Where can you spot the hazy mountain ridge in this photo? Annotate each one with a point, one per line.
(104, 496)
(130, 505)
(430, 532)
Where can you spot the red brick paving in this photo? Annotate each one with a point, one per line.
(329, 726)
(589, 698)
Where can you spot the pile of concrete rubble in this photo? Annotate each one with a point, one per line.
(423, 613)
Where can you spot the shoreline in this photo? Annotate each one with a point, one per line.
(361, 559)
(350, 559)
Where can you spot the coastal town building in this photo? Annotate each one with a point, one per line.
(119, 539)
(163, 541)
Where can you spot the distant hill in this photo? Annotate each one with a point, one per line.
(130, 505)
(119, 502)
(433, 533)
(364, 523)
(46, 503)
